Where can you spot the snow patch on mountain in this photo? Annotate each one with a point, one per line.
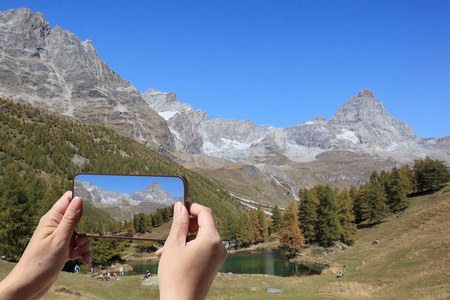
(348, 135)
(167, 115)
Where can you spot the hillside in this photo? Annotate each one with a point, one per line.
(55, 148)
(411, 260)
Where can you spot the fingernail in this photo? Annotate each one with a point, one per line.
(177, 209)
(74, 205)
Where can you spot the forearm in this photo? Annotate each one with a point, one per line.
(13, 287)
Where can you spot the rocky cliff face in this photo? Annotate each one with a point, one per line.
(51, 68)
(182, 120)
(360, 125)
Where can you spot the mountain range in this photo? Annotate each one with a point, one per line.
(53, 69)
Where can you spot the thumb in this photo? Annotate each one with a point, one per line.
(70, 219)
(180, 225)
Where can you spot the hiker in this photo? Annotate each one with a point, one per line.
(194, 261)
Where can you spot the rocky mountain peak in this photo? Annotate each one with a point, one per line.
(68, 77)
(22, 32)
(366, 93)
(375, 127)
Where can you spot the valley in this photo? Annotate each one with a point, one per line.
(410, 261)
(64, 111)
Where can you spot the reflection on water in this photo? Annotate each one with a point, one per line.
(271, 262)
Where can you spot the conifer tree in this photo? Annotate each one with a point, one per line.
(264, 230)
(291, 238)
(430, 174)
(276, 220)
(256, 227)
(396, 191)
(227, 228)
(157, 219)
(408, 175)
(119, 226)
(131, 231)
(16, 222)
(347, 218)
(374, 195)
(328, 222)
(308, 215)
(244, 231)
(360, 207)
(148, 219)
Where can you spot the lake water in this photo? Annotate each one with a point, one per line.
(271, 262)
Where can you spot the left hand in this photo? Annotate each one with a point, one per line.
(53, 243)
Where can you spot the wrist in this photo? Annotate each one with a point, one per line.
(11, 288)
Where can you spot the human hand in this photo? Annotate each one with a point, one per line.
(53, 243)
(187, 268)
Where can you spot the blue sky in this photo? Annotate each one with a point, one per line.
(131, 184)
(280, 63)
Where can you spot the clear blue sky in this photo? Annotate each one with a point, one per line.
(131, 184)
(274, 62)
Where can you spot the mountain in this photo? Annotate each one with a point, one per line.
(52, 69)
(361, 137)
(361, 125)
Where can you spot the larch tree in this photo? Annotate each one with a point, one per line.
(276, 220)
(396, 191)
(375, 197)
(291, 238)
(256, 227)
(347, 218)
(308, 215)
(328, 222)
(264, 230)
(244, 231)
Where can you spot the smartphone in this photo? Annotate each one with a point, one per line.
(135, 207)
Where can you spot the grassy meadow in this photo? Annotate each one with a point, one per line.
(410, 261)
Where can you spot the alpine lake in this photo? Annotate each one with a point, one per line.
(270, 262)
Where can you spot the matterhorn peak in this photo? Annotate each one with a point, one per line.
(366, 93)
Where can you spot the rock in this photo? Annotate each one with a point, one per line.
(52, 68)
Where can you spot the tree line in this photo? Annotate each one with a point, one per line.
(326, 215)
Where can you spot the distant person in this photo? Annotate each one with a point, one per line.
(121, 271)
(91, 273)
(77, 267)
(186, 268)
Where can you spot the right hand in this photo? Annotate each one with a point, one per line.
(188, 266)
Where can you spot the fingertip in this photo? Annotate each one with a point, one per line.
(87, 258)
(159, 252)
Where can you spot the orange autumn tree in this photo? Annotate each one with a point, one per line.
(291, 238)
(256, 226)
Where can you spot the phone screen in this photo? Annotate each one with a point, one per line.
(128, 206)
